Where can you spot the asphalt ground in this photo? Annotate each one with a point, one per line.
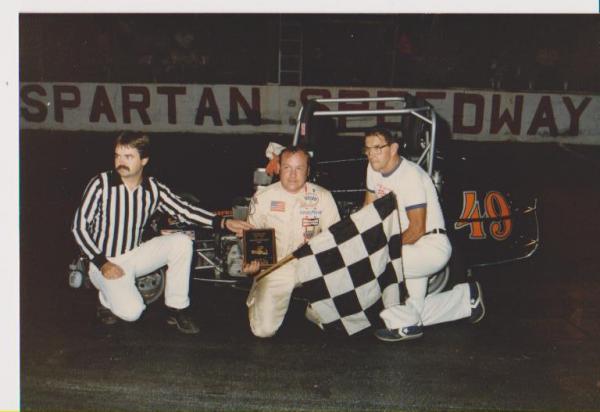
(536, 350)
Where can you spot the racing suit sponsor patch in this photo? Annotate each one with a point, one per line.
(307, 221)
(311, 199)
(310, 232)
(310, 212)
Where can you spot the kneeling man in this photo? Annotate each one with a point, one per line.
(297, 210)
(108, 226)
(425, 246)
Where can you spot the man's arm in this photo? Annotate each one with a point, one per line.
(416, 225)
(256, 214)
(416, 219)
(330, 214)
(183, 210)
(236, 226)
(257, 219)
(369, 193)
(84, 216)
(413, 197)
(175, 206)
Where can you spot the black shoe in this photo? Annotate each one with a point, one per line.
(182, 319)
(105, 316)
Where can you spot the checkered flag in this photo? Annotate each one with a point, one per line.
(353, 270)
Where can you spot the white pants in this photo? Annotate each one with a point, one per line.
(420, 260)
(269, 299)
(121, 295)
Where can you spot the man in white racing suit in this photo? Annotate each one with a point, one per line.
(297, 210)
(425, 246)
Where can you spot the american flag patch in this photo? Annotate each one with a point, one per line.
(277, 206)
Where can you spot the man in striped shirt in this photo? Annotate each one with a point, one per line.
(108, 226)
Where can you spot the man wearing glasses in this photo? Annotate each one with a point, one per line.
(425, 246)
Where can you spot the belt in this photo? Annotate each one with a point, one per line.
(436, 231)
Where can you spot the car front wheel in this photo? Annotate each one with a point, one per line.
(452, 274)
(152, 285)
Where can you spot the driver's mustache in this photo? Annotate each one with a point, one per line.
(122, 167)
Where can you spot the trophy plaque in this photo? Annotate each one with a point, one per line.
(259, 244)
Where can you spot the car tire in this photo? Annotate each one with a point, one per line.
(454, 273)
(152, 285)
(438, 281)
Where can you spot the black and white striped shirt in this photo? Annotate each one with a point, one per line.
(111, 218)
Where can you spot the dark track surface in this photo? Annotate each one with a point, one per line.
(536, 350)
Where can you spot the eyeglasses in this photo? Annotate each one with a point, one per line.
(373, 149)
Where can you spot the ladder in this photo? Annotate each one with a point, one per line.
(290, 51)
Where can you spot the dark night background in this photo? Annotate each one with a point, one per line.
(508, 52)
(536, 350)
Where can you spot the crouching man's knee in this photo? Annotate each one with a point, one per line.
(129, 313)
(262, 326)
(262, 331)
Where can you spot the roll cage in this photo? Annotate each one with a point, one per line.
(419, 141)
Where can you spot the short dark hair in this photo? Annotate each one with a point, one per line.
(383, 132)
(137, 140)
(296, 149)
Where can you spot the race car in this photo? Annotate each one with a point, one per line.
(487, 222)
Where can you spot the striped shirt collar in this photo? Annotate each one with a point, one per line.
(114, 179)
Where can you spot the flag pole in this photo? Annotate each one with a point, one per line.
(274, 267)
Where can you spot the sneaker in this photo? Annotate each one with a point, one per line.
(105, 315)
(395, 335)
(182, 319)
(477, 307)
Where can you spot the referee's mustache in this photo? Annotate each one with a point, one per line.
(123, 167)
